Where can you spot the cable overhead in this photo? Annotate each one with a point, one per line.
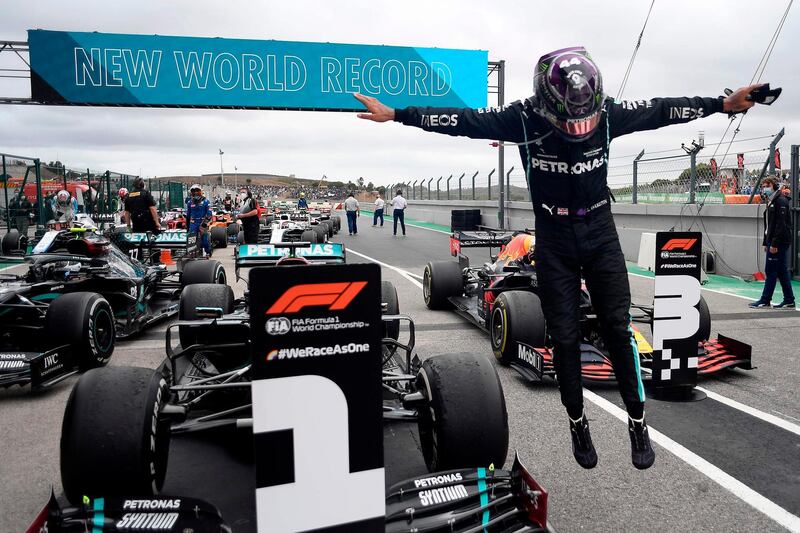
(633, 55)
(759, 72)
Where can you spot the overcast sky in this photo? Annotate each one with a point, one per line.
(690, 48)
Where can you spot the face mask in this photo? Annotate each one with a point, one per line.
(196, 197)
(767, 190)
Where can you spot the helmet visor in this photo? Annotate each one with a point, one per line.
(575, 127)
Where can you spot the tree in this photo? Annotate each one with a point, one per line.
(360, 182)
(351, 185)
(381, 190)
(703, 172)
(370, 186)
(249, 181)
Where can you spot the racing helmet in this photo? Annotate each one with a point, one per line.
(123, 192)
(63, 197)
(302, 195)
(568, 92)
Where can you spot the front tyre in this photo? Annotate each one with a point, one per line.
(516, 316)
(113, 442)
(203, 271)
(85, 321)
(464, 422)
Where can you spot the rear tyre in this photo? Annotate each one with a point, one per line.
(441, 280)
(310, 236)
(201, 295)
(704, 331)
(328, 225)
(203, 271)
(321, 231)
(233, 229)
(219, 237)
(240, 237)
(516, 317)
(391, 328)
(85, 321)
(465, 420)
(337, 223)
(112, 441)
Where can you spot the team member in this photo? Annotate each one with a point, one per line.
(302, 203)
(198, 213)
(227, 203)
(564, 131)
(140, 209)
(65, 207)
(22, 210)
(379, 204)
(399, 205)
(777, 243)
(352, 211)
(248, 214)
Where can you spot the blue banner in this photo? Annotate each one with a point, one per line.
(149, 70)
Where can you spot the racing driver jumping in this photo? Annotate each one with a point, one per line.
(563, 132)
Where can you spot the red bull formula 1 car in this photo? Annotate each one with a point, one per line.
(501, 297)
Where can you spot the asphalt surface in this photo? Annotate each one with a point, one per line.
(718, 467)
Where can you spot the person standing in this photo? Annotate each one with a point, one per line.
(248, 214)
(399, 205)
(379, 205)
(302, 203)
(140, 209)
(352, 211)
(777, 243)
(198, 213)
(564, 131)
(24, 210)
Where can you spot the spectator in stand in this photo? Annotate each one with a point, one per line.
(352, 210)
(777, 243)
(379, 204)
(399, 205)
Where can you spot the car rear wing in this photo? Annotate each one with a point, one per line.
(252, 255)
(171, 238)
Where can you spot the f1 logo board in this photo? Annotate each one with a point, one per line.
(676, 319)
(317, 415)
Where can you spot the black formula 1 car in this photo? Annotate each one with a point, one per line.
(118, 420)
(501, 297)
(78, 294)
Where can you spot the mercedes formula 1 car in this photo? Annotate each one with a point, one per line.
(501, 297)
(298, 225)
(118, 420)
(79, 293)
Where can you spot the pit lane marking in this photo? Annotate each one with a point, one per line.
(719, 476)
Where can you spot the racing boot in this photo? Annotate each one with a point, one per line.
(642, 454)
(582, 447)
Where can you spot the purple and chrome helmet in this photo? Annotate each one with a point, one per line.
(569, 92)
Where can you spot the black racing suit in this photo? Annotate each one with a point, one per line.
(575, 232)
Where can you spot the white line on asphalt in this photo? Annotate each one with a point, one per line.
(752, 411)
(723, 479)
(400, 271)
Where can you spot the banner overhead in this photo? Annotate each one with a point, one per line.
(102, 69)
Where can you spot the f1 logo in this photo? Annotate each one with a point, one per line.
(336, 296)
(679, 244)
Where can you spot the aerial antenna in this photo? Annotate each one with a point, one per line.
(633, 56)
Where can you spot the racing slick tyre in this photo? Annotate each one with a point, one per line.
(321, 231)
(201, 295)
(13, 242)
(85, 321)
(441, 280)
(219, 237)
(328, 225)
(517, 316)
(337, 223)
(203, 271)
(465, 404)
(240, 237)
(309, 236)
(704, 331)
(391, 328)
(112, 441)
(232, 229)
